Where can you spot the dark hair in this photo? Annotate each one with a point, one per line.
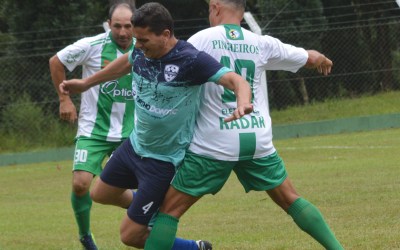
(130, 6)
(155, 16)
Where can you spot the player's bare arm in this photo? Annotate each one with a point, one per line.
(67, 108)
(242, 90)
(318, 61)
(114, 70)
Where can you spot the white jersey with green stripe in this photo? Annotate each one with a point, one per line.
(106, 110)
(249, 55)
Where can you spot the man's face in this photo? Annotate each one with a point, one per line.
(152, 45)
(121, 27)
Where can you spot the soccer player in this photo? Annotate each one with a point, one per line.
(105, 116)
(167, 75)
(251, 155)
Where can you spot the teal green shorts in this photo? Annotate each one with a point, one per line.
(199, 175)
(90, 153)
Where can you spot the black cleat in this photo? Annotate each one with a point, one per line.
(88, 242)
(204, 245)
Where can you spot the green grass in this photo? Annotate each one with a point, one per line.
(353, 179)
(383, 103)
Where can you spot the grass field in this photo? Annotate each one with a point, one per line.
(379, 104)
(353, 179)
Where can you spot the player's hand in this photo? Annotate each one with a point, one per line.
(68, 111)
(325, 67)
(73, 86)
(240, 112)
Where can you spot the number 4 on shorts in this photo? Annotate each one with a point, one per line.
(147, 207)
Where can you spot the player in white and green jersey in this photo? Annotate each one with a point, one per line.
(245, 145)
(106, 111)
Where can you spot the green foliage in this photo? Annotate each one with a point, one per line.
(396, 65)
(49, 19)
(25, 126)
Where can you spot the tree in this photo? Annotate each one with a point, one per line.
(300, 23)
(35, 30)
(375, 17)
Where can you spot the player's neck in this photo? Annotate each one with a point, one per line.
(170, 45)
(230, 20)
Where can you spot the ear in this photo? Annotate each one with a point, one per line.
(217, 8)
(166, 33)
(109, 22)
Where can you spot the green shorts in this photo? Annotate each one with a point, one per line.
(199, 175)
(90, 153)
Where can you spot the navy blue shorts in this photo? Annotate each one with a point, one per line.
(151, 178)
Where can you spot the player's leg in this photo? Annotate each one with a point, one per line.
(114, 184)
(305, 214)
(269, 174)
(153, 177)
(106, 194)
(196, 177)
(81, 205)
(132, 233)
(284, 195)
(141, 232)
(89, 155)
(164, 230)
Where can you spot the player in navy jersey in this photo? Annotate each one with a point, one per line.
(167, 74)
(251, 154)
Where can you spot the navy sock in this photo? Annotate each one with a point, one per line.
(182, 244)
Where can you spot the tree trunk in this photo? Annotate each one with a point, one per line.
(303, 91)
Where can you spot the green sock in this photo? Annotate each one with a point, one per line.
(162, 235)
(311, 221)
(81, 207)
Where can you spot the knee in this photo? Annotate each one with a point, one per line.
(283, 196)
(80, 187)
(96, 196)
(137, 240)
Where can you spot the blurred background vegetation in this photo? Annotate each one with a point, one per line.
(361, 38)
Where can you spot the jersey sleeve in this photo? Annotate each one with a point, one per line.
(130, 57)
(207, 69)
(281, 56)
(75, 54)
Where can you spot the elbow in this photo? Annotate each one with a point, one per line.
(54, 61)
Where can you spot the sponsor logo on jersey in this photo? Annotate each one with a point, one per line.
(245, 122)
(154, 109)
(73, 57)
(110, 88)
(170, 72)
(234, 34)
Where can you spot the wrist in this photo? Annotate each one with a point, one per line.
(64, 98)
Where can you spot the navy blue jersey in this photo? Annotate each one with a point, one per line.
(166, 92)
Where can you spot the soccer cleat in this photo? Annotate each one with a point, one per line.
(204, 245)
(88, 242)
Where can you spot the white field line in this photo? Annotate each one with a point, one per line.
(336, 147)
